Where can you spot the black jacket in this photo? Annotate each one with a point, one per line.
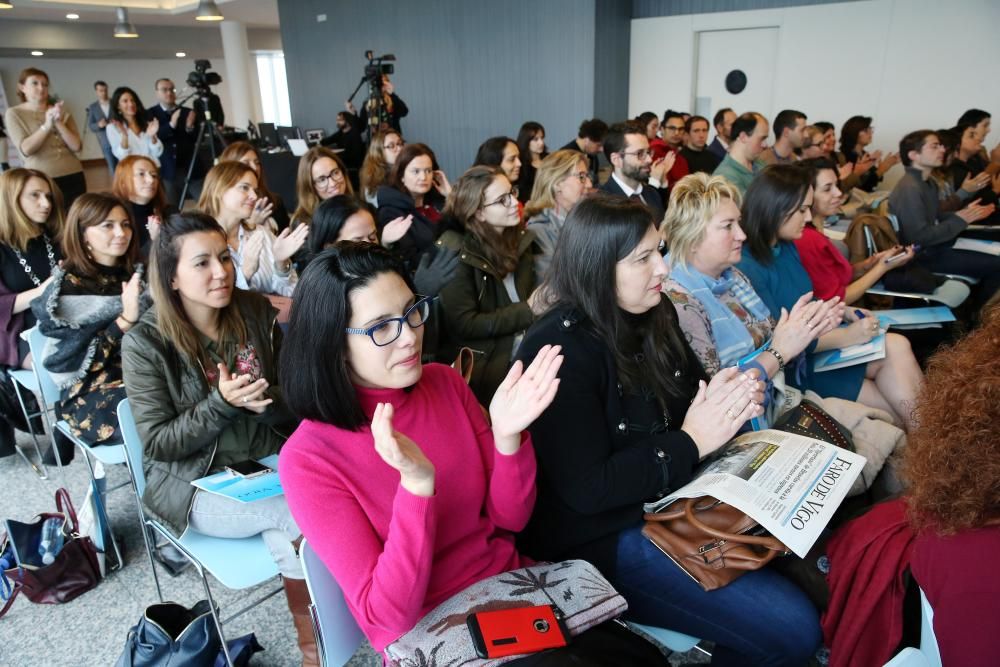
(178, 144)
(422, 233)
(598, 447)
(649, 194)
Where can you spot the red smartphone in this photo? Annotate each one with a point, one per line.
(496, 634)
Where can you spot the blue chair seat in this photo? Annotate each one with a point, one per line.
(109, 453)
(678, 642)
(250, 556)
(25, 378)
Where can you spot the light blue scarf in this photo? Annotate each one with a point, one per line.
(729, 333)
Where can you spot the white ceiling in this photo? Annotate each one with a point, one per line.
(254, 13)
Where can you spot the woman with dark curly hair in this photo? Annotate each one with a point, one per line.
(952, 463)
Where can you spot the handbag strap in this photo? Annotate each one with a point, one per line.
(768, 542)
(65, 505)
(825, 422)
(8, 589)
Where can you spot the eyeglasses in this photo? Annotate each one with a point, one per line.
(674, 128)
(387, 331)
(323, 181)
(642, 155)
(582, 176)
(504, 200)
(392, 147)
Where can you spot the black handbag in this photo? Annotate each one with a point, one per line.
(812, 421)
(171, 635)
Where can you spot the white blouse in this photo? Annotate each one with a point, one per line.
(266, 279)
(141, 144)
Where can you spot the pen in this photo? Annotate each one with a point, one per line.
(859, 313)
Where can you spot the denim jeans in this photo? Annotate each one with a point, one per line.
(217, 516)
(761, 618)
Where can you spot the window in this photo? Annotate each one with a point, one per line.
(273, 88)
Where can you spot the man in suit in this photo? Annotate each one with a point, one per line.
(723, 122)
(98, 117)
(627, 149)
(178, 133)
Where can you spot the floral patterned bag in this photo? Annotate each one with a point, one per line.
(574, 587)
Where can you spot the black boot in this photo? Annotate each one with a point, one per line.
(7, 439)
(66, 451)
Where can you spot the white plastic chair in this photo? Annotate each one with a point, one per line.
(337, 634)
(235, 563)
(928, 655)
(678, 642)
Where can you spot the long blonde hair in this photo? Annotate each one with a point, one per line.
(16, 229)
(308, 199)
(375, 170)
(220, 178)
(553, 169)
(693, 201)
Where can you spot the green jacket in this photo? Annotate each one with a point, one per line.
(180, 416)
(478, 311)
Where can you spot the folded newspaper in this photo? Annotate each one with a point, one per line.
(790, 484)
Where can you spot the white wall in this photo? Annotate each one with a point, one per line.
(907, 63)
(73, 81)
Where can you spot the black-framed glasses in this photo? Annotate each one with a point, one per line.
(504, 200)
(387, 331)
(641, 154)
(337, 175)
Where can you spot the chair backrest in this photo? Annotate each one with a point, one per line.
(337, 634)
(133, 446)
(36, 343)
(928, 642)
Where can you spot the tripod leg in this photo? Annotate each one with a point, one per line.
(194, 158)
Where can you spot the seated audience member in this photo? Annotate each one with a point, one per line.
(776, 208)
(721, 315)
(93, 300)
(347, 218)
(45, 135)
(953, 498)
(417, 188)
(263, 261)
(247, 153)
(979, 119)
(402, 487)
(966, 159)
(915, 203)
(632, 418)
(321, 175)
(348, 138)
(829, 271)
(201, 373)
(723, 124)
(651, 123)
(383, 151)
(137, 182)
(954, 196)
(590, 141)
(829, 138)
(698, 157)
(627, 149)
(31, 221)
(748, 139)
(129, 133)
(487, 304)
(674, 135)
(868, 168)
(502, 153)
(788, 128)
(562, 181)
(813, 139)
(531, 149)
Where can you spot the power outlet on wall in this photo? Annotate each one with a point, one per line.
(320, 18)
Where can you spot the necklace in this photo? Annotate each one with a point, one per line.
(27, 267)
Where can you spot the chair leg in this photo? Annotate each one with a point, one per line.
(215, 613)
(39, 468)
(102, 510)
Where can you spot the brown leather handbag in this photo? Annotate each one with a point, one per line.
(713, 542)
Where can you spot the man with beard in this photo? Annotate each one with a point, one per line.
(627, 149)
(698, 157)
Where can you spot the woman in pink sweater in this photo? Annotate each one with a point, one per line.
(397, 479)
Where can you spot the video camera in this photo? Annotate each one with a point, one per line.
(201, 79)
(376, 68)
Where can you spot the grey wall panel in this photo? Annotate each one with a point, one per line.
(612, 30)
(467, 70)
(644, 9)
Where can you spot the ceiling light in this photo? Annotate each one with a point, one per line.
(208, 11)
(37, 53)
(4, 4)
(72, 17)
(124, 27)
(180, 54)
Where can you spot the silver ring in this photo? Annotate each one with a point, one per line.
(245, 399)
(729, 413)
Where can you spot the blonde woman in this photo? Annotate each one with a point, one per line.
(263, 260)
(562, 179)
(321, 175)
(382, 153)
(247, 153)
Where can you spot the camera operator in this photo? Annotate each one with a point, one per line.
(348, 138)
(393, 107)
(178, 132)
(214, 106)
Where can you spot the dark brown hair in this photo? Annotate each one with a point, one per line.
(88, 210)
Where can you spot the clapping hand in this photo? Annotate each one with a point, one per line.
(240, 392)
(396, 229)
(175, 116)
(800, 326)
(887, 163)
(288, 243)
(130, 298)
(433, 274)
(153, 224)
(844, 170)
(976, 183)
(522, 396)
(976, 211)
(253, 243)
(416, 472)
(722, 406)
(262, 210)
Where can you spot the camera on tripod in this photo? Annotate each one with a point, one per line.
(376, 68)
(201, 79)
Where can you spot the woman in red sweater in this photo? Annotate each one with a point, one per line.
(831, 274)
(401, 485)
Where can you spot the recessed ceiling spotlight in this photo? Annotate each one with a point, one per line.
(180, 54)
(72, 17)
(37, 53)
